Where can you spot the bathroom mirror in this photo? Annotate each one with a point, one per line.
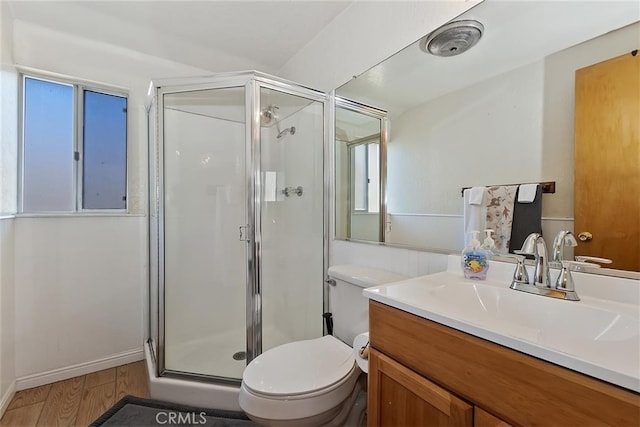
(360, 153)
(500, 113)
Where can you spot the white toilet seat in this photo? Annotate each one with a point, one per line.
(299, 380)
(300, 367)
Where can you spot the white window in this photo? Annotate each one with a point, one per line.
(74, 147)
(366, 169)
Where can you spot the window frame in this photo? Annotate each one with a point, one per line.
(79, 88)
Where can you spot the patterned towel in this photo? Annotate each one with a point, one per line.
(500, 200)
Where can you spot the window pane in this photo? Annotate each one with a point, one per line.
(360, 178)
(48, 147)
(104, 184)
(374, 174)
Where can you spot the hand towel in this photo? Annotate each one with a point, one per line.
(527, 193)
(476, 195)
(527, 218)
(500, 201)
(475, 216)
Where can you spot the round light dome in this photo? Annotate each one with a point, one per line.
(453, 38)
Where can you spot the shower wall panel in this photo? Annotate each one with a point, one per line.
(292, 229)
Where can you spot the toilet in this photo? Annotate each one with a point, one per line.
(317, 382)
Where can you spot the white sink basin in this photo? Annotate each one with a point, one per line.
(597, 337)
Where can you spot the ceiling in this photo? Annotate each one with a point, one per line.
(221, 35)
(516, 33)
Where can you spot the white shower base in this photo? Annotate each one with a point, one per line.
(193, 393)
(213, 355)
(209, 356)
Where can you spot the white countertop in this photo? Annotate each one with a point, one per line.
(594, 336)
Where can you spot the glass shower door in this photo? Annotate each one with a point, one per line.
(204, 206)
(292, 217)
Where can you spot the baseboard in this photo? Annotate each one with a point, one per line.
(6, 398)
(60, 374)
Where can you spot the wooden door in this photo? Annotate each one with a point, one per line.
(398, 396)
(607, 160)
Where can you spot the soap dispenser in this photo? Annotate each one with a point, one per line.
(489, 245)
(474, 259)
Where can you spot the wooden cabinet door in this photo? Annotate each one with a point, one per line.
(607, 161)
(400, 397)
(482, 418)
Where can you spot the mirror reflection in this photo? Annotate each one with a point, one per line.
(530, 102)
(360, 146)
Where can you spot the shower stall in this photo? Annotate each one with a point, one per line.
(238, 228)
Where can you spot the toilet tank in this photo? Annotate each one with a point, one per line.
(349, 308)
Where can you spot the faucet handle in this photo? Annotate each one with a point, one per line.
(582, 262)
(565, 281)
(584, 258)
(520, 274)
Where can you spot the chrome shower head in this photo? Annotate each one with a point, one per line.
(291, 131)
(269, 116)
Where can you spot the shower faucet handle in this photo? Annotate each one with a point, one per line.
(288, 191)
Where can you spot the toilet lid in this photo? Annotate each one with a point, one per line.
(299, 367)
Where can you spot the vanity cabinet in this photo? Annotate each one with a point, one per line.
(422, 373)
(405, 398)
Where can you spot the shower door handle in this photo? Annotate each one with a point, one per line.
(243, 233)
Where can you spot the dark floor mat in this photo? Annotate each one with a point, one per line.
(133, 411)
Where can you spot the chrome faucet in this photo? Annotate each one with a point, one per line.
(540, 284)
(562, 239)
(534, 245)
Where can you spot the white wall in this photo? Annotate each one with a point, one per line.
(8, 117)
(485, 134)
(7, 313)
(79, 283)
(83, 279)
(8, 174)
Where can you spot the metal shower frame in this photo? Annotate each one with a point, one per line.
(252, 82)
